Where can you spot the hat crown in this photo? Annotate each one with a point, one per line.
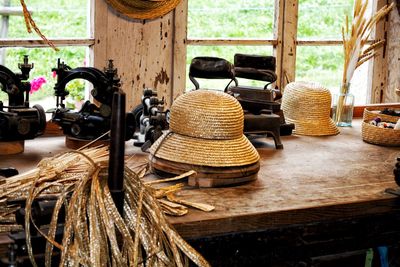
(309, 100)
(207, 114)
(308, 106)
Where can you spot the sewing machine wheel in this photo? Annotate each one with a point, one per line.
(137, 112)
(42, 118)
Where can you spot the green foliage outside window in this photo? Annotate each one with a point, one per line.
(317, 20)
(56, 19)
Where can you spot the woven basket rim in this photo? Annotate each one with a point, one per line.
(143, 9)
(379, 136)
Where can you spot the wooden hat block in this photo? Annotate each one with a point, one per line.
(207, 176)
(76, 143)
(12, 147)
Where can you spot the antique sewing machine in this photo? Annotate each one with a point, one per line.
(92, 120)
(42, 207)
(19, 121)
(150, 118)
(262, 115)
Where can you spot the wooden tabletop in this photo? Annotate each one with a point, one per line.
(311, 179)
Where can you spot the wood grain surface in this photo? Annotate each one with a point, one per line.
(312, 179)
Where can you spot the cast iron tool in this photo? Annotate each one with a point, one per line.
(18, 121)
(93, 120)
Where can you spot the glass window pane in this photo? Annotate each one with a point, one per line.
(54, 18)
(323, 19)
(324, 64)
(230, 19)
(44, 59)
(226, 52)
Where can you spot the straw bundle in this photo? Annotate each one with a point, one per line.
(95, 233)
(355, 40)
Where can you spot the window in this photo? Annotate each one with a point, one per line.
(223, 28)
(66, 23)
(304, 35)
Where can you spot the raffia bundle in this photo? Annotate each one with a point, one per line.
(95, 233)
(30, 23)
(355, 39)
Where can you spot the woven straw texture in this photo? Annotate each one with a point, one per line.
(143, 9)
(376, 135)
(207, 114)
(308, 105)
(206, 129)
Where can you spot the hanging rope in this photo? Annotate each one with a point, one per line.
(30, 23)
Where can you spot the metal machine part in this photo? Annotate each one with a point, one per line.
(92, 120)
(8, 172)
(151, 119)
(18, 121)
(258, 105)
(42, 207)
(396, 172)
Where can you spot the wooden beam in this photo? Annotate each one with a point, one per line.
(233, 41)
(379, 71)
(278, 36)
(11, 11)
(179, 51)
(40, 43)
(290, 17)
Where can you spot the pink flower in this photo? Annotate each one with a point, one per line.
(37, 83)
(54, 74)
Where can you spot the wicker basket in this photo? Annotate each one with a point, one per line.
(379, 136)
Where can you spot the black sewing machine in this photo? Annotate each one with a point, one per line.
(92, 120)
(259, 104)
(150, 118)
(42, 207)
(18, 121)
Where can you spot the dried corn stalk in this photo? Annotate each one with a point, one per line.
(355, 48)
(95, 233)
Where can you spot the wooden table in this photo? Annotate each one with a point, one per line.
(318, 196)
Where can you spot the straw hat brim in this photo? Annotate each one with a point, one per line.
(205, 152)
(143, 9)
(314, 128)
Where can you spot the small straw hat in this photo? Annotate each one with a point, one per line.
(308, 105)
(143, 9)
(206, 129)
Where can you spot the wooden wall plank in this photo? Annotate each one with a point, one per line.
(179, 50)
(393, 50)
(289, 38)
(278, 36)
(141, 50)
(379, 69)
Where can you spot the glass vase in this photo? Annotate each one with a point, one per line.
(343, 105)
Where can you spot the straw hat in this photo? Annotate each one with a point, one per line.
(308, 105)
(143, 9)
(206, 129)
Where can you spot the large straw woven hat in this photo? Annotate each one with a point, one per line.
(206, 128)
(308, 105)
(143, 9)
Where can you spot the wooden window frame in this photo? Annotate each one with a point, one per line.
(285, 44)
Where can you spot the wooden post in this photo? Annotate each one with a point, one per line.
(4, 31)
(379, 70)
(179, 50)
(278, 36)
(289, 38)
